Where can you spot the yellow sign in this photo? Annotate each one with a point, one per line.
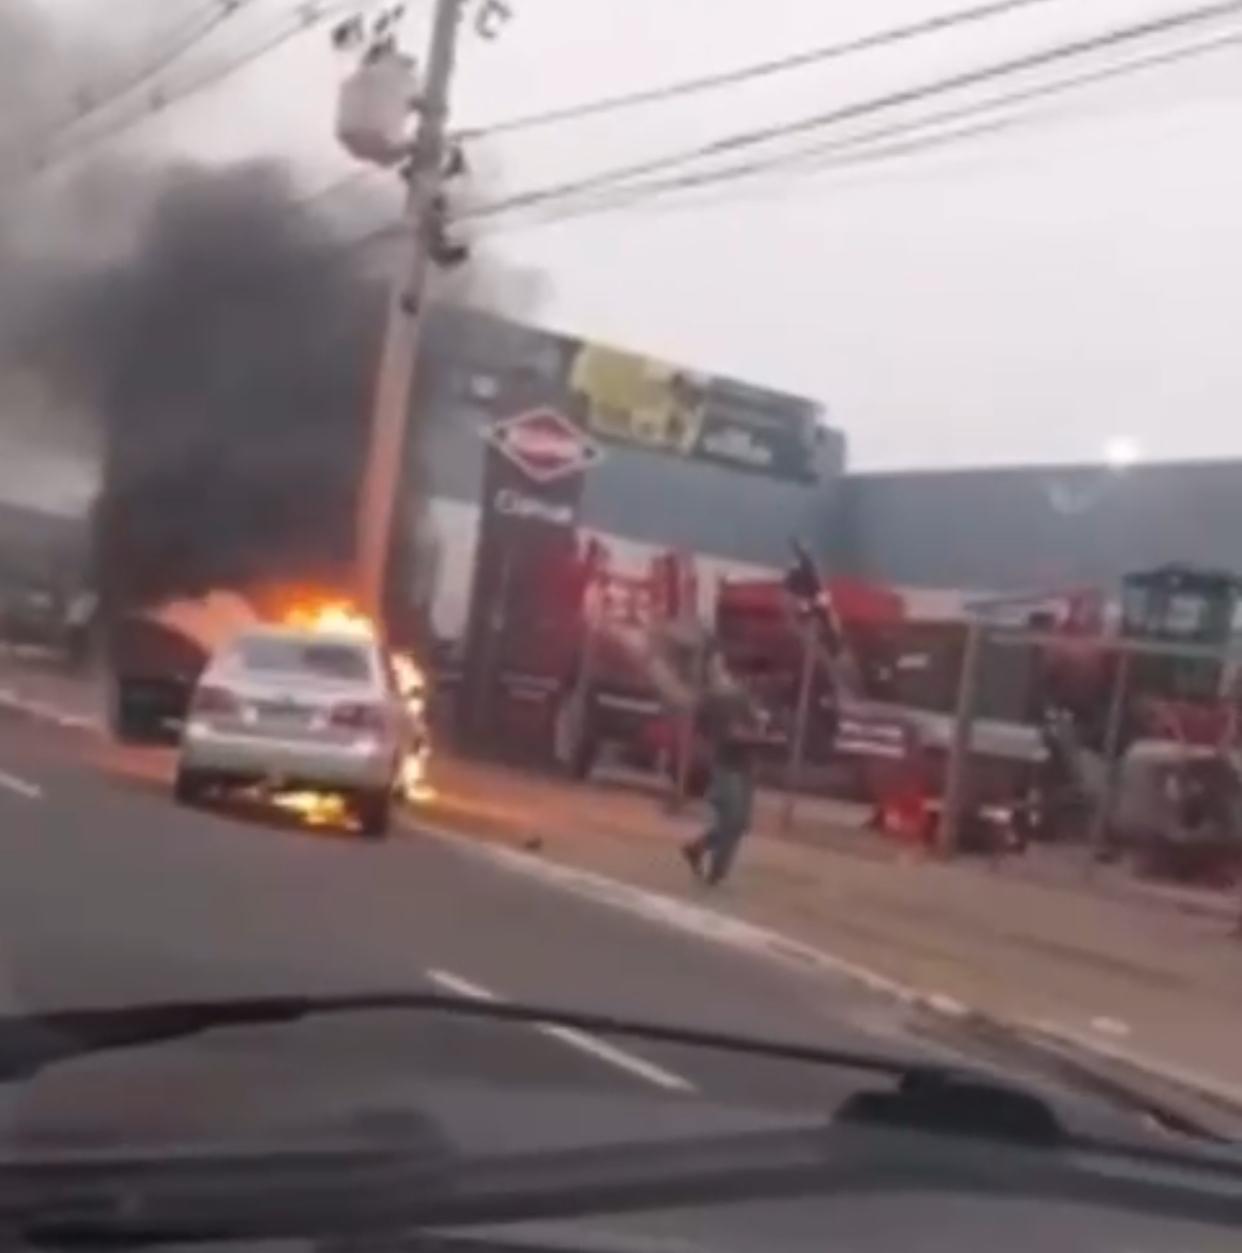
(636, 400)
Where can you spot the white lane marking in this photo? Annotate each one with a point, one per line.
(589, 1044)
(1110, 1026)
(706, 924)
(22, 787)
(463, 987)
(618, 1057)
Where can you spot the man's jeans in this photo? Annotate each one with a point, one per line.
(731, 797)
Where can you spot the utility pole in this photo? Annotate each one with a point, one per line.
(955, 804)
(1101, 816)
(797, 742)
(407, 304)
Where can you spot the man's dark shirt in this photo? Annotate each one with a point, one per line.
(725, 721)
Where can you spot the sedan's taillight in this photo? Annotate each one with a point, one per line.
(358, 716)
(213, 700)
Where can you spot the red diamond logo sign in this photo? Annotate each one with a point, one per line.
(544, 444)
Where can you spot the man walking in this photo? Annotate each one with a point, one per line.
(727, 720)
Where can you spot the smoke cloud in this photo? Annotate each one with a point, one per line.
(215, 337)
(228, 358)
(206, 338)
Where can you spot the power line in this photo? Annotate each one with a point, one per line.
(754, 71)
(308, 16)
(196, 30)
(860, 109)
(868, 146)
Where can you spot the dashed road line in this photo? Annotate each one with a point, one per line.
(709, 925)
(591, 1045)
(1115, 1027)
(20, 787)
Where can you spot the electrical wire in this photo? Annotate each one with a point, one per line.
(868, 146)
(879, 143)
(749, 73)
(741, 140)
(194, 31)
(308, 16)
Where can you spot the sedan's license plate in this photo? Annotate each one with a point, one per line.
(283, 712)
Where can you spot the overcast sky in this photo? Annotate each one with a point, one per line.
(1028, 294)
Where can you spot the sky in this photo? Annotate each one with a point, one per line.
(1052, 291)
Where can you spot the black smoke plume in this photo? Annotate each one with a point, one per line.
(229, 359)
(215, 334)
(218, 337)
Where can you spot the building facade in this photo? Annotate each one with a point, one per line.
(1007, 529)
(733, 473)
(688, 462)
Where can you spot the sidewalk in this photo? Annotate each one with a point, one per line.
(39, 687)
(1127, 974)
(1146, 973)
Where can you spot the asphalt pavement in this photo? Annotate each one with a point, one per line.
(111, 894)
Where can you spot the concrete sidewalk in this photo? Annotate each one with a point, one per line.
(1158, 987)
(1145, 974)
(33, 684)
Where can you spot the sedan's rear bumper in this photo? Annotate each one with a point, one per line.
(362, 762)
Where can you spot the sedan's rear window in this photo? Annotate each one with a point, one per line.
(321, 660)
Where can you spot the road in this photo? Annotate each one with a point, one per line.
(111, 894)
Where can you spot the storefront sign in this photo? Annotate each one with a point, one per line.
(636, 400)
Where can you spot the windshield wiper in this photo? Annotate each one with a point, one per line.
(939, 1128)
(31, 1043)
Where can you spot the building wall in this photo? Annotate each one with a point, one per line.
(477, 368)
(37, 544)
(938, 535)
(1019, 528)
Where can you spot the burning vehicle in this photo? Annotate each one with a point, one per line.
(311, 707)
(301, 703)
(155, 656)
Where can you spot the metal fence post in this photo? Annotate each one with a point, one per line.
(797, 742)
(957, 777)
(1102, 813)
(582, 695)
(685, 737)
(485, 695)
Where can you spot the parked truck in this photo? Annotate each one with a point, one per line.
(154, 656)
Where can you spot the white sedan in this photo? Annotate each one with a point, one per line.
(298, 709)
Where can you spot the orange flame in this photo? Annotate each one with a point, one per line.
(409, 675)
(330, 615)
(315, 809)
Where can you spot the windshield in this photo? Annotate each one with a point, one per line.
(707, 532)
(272, 654)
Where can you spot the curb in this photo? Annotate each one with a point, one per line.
(12, 701)
(690, 919)
(1201, 1087)
(1055, 1041)
(712, 925)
